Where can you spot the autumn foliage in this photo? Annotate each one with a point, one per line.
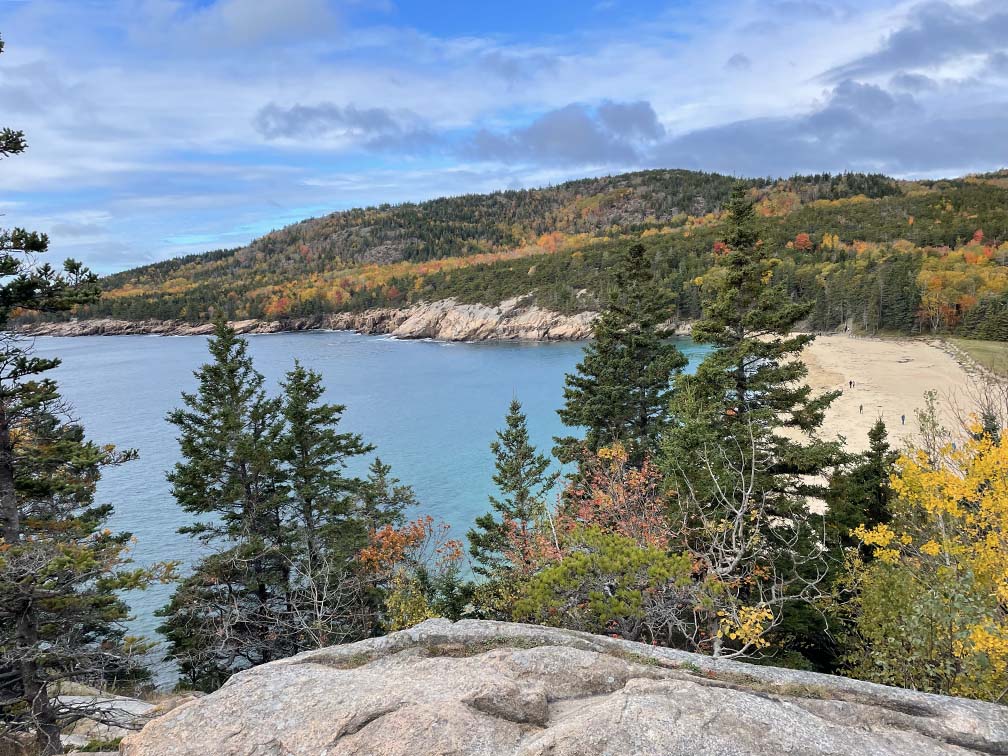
(932, 607)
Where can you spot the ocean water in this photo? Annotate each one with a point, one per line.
(430, 408)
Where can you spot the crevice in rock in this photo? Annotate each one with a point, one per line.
(359, 723)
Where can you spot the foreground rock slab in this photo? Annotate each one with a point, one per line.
(476, 688)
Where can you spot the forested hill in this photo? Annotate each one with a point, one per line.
(868, 249)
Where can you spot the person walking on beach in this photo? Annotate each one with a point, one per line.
(860, 409)
(902, 419)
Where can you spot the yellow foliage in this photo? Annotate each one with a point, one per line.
(749, 626)
(956, 509)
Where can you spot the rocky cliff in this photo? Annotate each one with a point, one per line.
(447, 320)
(489, 688)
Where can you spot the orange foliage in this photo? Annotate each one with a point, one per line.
(615, 497)
(420, 542)
(623, 499)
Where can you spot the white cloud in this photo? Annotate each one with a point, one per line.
(178, 123)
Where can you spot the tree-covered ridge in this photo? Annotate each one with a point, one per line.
(866, 249)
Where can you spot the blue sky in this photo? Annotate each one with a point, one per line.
(163, 127)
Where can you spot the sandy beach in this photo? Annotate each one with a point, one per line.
(890, 377)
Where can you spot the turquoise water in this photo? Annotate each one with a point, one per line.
(431, 409)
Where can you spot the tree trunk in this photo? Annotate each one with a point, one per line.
(8, 497)
(35, 691)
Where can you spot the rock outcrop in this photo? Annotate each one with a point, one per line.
(446, 320)
(492, 688)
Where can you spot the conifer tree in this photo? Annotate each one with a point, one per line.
(621, 389)
(383, 498)
(743, 446)
(60, 567)
(224, 616)
(524, 483)
(322, 518)
(315, 454)
(285, 521)
(861, 495)
(753, 381)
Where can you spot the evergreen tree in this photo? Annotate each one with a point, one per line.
(743, 447)
(752, 383)
(861, 495)
(285, 520)
(224, 616)
(621, 389)
(60, 567)
(315, 454)
(322, 520)
(383, 499)
(523, 479)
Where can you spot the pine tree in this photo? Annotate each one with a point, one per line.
(60, 567)
(621, 389)
(524, 481)
(861, 495)
(224, 616)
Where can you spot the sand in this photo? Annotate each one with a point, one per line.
(890, 377)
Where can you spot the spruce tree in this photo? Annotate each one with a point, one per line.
(321, 518)
(60, 567)
(861, 495)
(524, 483)
(61, 619)
(314, 454)
(753, 381)
(284, 520)
(224, 616)
(383, 499)
(743, 447)
(621, 389)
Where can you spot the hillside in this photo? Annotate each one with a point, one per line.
(870, 251)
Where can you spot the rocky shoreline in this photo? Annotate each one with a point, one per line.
(445, 320)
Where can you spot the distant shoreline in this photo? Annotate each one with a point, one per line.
(890, 374)
(445, 320)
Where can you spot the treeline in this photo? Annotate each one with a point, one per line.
(870, 253)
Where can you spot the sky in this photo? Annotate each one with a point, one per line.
(158, 128)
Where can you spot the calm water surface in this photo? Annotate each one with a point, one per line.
(431, 409)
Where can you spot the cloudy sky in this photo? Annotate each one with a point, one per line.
(162, 127)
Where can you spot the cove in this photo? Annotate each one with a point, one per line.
(431, 409)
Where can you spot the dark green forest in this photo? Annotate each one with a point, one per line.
(870, 253)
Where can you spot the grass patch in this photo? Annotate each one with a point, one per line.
(101, 745)
(352, 661)
(464, 650)
(992, 355)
